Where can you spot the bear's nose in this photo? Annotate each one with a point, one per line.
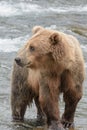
(18, 60)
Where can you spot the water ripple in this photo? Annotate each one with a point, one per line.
(8, 9)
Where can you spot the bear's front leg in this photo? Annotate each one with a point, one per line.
(71, 98)
(48, 97)
(19, 102)
(72, 93)
(21, 96)
(21, 93)
(18, 107)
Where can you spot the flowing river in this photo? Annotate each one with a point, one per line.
(17, 17)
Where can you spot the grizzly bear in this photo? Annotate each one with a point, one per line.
(49, 63)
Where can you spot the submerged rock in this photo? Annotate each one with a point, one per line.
(80, 30)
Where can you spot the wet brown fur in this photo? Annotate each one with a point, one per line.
(57, 65)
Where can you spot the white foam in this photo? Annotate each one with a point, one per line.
(8, 45)
(12, 45)
(84, 48)
(7, 9)
(12, 9)
(24, 7)
(86, 65)
(52, 27)
(76, 9)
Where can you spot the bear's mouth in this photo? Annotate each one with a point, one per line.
(18, 62)
(29, 64)
(21, 64)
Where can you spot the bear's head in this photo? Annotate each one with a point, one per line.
(44, 49)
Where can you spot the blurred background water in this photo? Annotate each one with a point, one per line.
(17, 17)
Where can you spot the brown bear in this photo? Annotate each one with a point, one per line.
(49, 63)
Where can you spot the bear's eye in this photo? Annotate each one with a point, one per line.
(31, 48)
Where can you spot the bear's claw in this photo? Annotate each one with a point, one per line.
(67, 124)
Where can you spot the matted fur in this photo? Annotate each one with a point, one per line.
(50, 62)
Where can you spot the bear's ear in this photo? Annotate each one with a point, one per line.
(55, 38)
(36, 29)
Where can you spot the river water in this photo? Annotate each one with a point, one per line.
(17, 17)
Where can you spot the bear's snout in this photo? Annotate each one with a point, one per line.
(18, 60)
(21, 62)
